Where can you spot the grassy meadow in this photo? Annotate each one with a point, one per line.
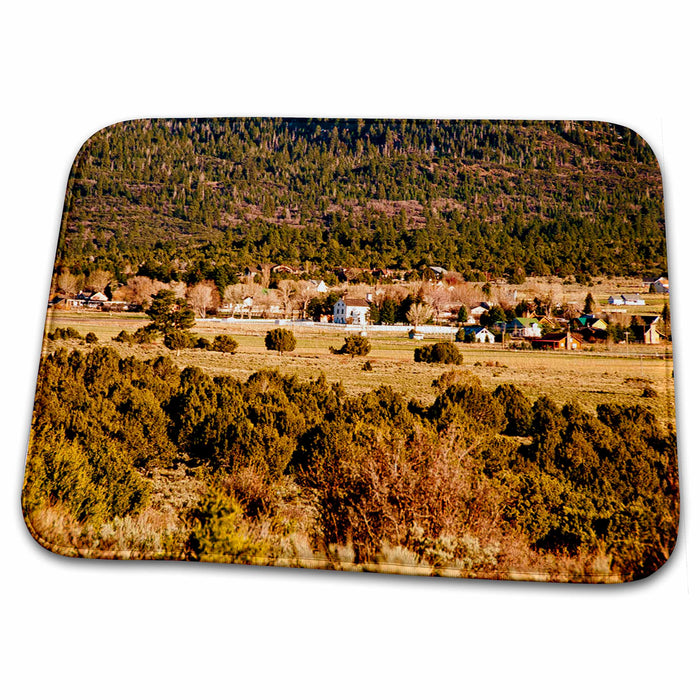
(599, 375)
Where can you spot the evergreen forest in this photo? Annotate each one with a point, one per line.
(204, 199)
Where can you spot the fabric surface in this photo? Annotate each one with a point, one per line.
(399, 346)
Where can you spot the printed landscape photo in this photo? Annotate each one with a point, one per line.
(402, 346)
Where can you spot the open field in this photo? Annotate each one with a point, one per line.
(617, 375)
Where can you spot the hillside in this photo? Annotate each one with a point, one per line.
(201, 199)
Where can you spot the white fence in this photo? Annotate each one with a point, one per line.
(340, 327)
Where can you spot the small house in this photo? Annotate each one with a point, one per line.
(564, 340)
(632, 300)
(351, 311)
(436, 272)
(320, 286)
(522, 327)
(588, 321)
(479, 309)
(660, 286)
(284, 269)
(652, 336)
(616, 301)
(480, 334)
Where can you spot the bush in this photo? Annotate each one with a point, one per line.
(355, 346)
(91, 338)
(221, 533)
(65, 334)
(444, 352)
(280, 340)
(516, 407)
(178, 340)
(203, 343)
(367, 366)
(145, 335)
(225, 343)
(124, 337)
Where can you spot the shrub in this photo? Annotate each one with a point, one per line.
(225, 343)
(145, 335)
(516, 407)
(280, 340)
(65, 334)
(452, 376)
(178, 340)
(203, 343)
(220, 533)
(469, 406)
(367, 366)
(124, 337)
(444, 352)
(400, 487)
(91, 338)
(355, 346)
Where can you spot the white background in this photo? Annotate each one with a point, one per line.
(77, 629)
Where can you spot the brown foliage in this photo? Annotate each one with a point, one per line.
(385, 489)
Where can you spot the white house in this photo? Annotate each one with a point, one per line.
(245, 307)
(660, 286)
(632, 300)
(524, 328)
(481, 334)
(349, 310)
(92, 300)
(320, 285)
(616, 301)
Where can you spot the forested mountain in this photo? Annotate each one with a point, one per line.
(203, 198)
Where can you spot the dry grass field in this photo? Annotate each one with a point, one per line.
(615, 375)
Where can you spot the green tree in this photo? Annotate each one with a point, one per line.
(589, 304)
(280, 340)
(493, 316)
(167, 312)
(666, 320)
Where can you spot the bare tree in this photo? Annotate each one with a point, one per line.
(180, 289)
(203, 296)
(287, 289)
(468, 294)
(68, 283)
(254, 291)
(437, 297)
(418, 314)
(452, 278)
(265, 269)
(138, 290)
(98, 279)
(307, 292)
(233, 296)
